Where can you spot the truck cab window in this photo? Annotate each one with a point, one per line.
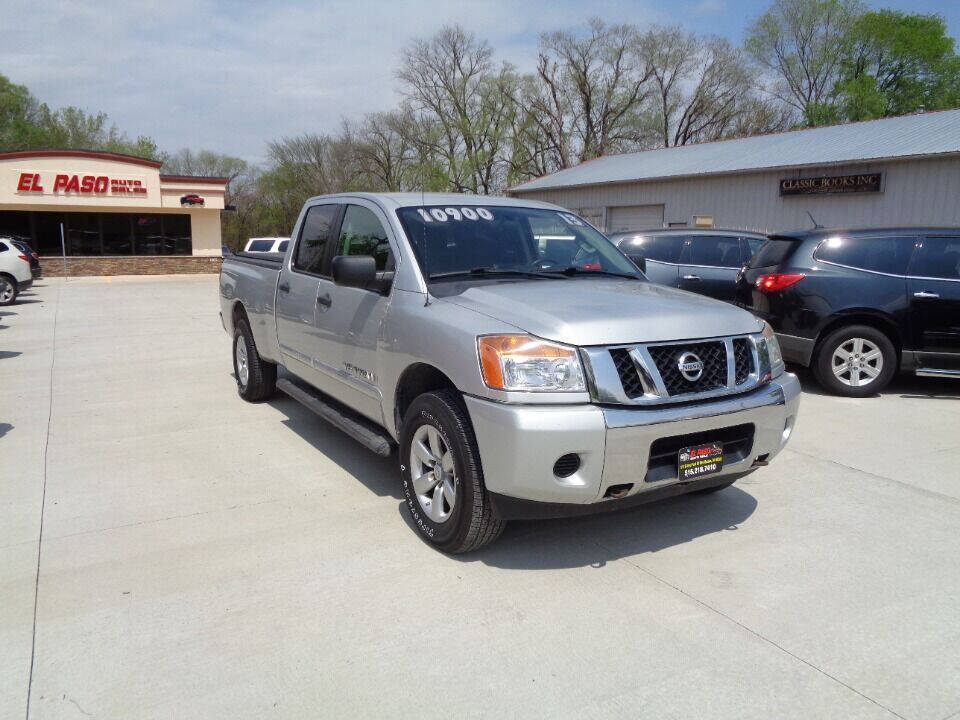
(362, 233)
(314, 237)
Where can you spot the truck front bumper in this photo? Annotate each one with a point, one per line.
(519, 445)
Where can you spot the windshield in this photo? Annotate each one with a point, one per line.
(451, 241)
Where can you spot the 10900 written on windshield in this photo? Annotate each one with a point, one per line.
(450, 241)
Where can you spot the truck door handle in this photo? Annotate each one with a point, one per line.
(325, 300)
(283, 287)
(691, 277)
(925, 294)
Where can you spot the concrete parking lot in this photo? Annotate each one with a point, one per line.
(169, 551)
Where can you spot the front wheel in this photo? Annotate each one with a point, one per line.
(855, 361)
(8, 290)
(442, 478)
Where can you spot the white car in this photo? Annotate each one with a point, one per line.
(267, 245)
(15, 275)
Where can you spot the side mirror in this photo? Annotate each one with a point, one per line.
(357, 271)
(640, 261)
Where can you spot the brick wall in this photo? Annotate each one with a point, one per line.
(130, 265)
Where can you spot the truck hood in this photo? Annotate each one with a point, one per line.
(605, 311)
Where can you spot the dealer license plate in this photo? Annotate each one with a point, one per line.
(699, 460)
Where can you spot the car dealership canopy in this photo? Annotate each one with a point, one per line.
(110, 213)
(894, 171)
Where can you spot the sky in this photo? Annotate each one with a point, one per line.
(231, 76)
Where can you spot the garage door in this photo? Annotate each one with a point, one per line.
(635, 217)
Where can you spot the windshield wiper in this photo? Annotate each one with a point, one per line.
(574, 270)
(482, 272)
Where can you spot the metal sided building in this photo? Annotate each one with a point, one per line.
(894, 171)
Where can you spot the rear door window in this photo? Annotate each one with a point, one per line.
(661, 248)
(889, 255)
(713, 251)
(939, 257)
(314, 236)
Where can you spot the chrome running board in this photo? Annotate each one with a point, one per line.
(930, 372)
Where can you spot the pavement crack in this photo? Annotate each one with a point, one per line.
(919, 490)
(76, 705)
(43, 503)
(748, 629)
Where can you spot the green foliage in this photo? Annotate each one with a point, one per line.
(27, 124)
(898, 63)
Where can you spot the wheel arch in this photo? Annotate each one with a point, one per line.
(871, 318)
(417, 379)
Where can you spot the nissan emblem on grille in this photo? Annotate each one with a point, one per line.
(690, 366)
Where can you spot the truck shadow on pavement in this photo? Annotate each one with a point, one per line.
(378, 474)
(595, 540)
(591, 540)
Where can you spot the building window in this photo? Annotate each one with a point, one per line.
(148, 235)
(83, 234)
(703, 221)
(16, 225)
(117, 235)
(177, 239)
(46, 233)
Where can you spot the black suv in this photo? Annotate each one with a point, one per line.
(701, 261)
(857, 305)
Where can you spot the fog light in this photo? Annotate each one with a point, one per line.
(566, 465)
(787, 430)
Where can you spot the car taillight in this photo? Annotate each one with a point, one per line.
(24, 258)
(777, 281)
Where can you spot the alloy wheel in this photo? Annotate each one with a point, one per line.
(243, 367)
(432, 473)
(857, 362)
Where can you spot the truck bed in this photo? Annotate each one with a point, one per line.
(252, 280)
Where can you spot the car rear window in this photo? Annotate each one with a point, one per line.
(772, 252)
(877, 254)
(260, 246)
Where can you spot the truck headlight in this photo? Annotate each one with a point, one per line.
(525, 363)
(772, 348)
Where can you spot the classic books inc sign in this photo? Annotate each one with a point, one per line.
(832, 185)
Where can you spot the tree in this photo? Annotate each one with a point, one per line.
(803, 43)
(461, 104)
(592, 88)
(899, 63)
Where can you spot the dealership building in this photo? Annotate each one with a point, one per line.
(895, 171)
(110, 214)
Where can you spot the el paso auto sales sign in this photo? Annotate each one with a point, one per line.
(52, 183)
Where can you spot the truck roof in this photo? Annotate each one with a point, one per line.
(415, 199)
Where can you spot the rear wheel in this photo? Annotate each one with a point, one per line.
(442, 478)
(256, 378)
(855, 361)
(8, 290)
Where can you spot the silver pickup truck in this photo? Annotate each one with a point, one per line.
(523, 366)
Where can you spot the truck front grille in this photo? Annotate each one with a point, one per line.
(652, 374)
(713, 355)
(743, 360)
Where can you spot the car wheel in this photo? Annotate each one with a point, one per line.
(256, 378)
(855, 361)
(8, 290)
(442, 478)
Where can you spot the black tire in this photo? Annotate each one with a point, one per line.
(8, 281)
(261, 376)
(472, 523)
(823, 361)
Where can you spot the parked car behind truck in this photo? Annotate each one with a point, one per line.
(701, 261)
(856, 306)
(518, 361)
